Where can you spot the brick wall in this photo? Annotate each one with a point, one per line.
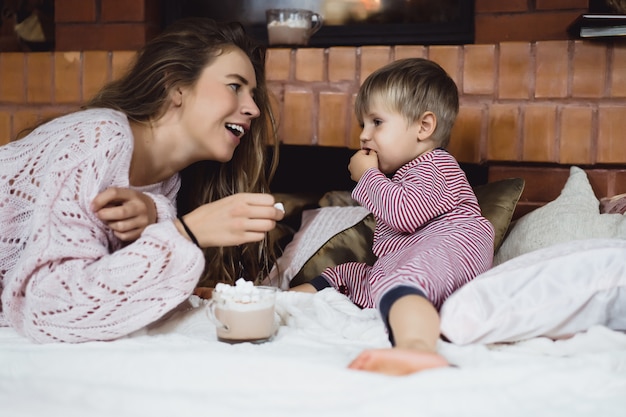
(105, 24)
(525, 20)
(39, 85)
(548, 101)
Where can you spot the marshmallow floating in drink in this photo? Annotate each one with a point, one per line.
(243, 312)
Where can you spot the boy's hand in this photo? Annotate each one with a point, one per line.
(127, 212)
(360, 162)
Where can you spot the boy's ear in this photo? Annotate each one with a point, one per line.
(427, 124)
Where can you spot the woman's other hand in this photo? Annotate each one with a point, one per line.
(127, 212)
(233, 220)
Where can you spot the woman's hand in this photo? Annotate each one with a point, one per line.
(233, 220)
(360, 162)
(127, 212)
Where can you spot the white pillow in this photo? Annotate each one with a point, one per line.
(552, 292)
(574, 215)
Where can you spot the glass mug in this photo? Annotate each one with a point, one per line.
(291, 27)
(244, 318)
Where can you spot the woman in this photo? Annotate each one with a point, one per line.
(90, 245)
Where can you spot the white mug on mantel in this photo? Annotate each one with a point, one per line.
(291, 27)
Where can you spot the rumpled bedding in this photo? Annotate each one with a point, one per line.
(176, 367)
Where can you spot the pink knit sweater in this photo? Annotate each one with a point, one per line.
(64, 276)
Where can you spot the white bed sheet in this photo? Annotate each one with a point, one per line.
(178, 368)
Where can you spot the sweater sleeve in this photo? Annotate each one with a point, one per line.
(73, 280)
(81, 297)
(164, 206)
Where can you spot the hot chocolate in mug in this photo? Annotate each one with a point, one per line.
(243, 312)
(291, 27)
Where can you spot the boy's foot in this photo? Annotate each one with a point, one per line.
(397, 361)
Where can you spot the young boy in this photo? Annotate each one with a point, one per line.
(430, 236)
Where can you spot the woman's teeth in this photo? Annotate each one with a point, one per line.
(236, 129)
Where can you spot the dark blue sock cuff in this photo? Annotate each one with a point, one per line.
(391, 297)
(319, 282)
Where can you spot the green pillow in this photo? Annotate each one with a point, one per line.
(497, 202)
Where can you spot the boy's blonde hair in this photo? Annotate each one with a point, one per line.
(411, 87)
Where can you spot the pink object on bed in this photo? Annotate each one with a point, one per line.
(613, 205)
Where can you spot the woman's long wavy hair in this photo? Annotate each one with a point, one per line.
(176, 58)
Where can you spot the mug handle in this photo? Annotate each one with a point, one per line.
(316, 23)
(210, 312)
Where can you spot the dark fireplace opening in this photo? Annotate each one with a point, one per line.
(348, 22)
(317, 169)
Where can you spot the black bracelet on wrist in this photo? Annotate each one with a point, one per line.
(188, 230)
